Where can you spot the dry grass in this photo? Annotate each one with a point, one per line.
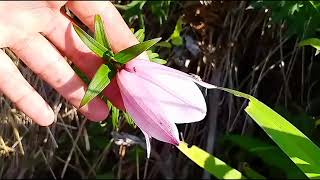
(25, 146)
(238, 50)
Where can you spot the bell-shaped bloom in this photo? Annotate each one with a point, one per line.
(157, 97)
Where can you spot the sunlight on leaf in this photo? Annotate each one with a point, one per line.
(100, 80)
(210, 163)
(314, 42)
(99, 33)
(140, 35)
(175, 37)
(298, 147)
(92, 44)
(128, 54)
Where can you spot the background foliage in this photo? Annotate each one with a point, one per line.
(234, 44)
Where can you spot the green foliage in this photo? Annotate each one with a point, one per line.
(93, 44)
(101, 47)
(153, 57)
(210, 163)
(101, 79)
(298, 147)
(301, 17)
(314, 42)
(99, 32)
(267, 153)
(130, 53)
(137, 10)
(175, 37)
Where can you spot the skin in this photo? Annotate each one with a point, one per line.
(41, 36)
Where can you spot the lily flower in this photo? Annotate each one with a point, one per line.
(158, 97)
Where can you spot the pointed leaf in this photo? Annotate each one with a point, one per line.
(100, 80)
(115, 117)
(314, 42)
(140, 35)
(92, 44)
(297, 146)
(99, 33)
(128, 54)
(210, 163)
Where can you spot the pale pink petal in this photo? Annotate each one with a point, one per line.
(145, 108)
(180, 98)
(148, 144)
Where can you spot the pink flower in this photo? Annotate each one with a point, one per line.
(157, 97)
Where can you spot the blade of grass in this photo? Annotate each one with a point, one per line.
(210, 163)
(298, 147)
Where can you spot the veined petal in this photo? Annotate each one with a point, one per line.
(145, 108)
(180, 98)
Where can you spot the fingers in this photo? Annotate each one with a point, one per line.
(118, 33)
(67, 41)
(38, 54)
(16, 88)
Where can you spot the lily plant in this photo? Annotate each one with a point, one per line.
(156, 96)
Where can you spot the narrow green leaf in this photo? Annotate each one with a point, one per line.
(99, 33)
(100, 80)
(129, 119)
(140, 35)
(210, 163)
(158, 60)
(175, 37)
(252, 174)
(314, 42)
(92, 44)
(152, 55)
(267, 153)
(115, 117)
(128, 54)
(163, 44)
(298, 147)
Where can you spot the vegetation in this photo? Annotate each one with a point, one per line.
(266, 50)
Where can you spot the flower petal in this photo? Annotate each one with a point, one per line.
(148, 144)
(180, 98)
(145, 109)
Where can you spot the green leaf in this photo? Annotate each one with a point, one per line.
(128, 54)
(267, 153)
(140, 35)
(314, 42)
(92, 44)
(129, 119)
(100, 80)
(210, 163)
(175, 37)
(163, 44)
(115, 117)
(158, 60)
(99, 33)
(298, 147)
(252, 174)
(152, 55)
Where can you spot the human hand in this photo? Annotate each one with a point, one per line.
(40, 35)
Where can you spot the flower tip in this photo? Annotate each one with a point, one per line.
(175, 142)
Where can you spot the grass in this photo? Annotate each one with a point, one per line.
(238, 50)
